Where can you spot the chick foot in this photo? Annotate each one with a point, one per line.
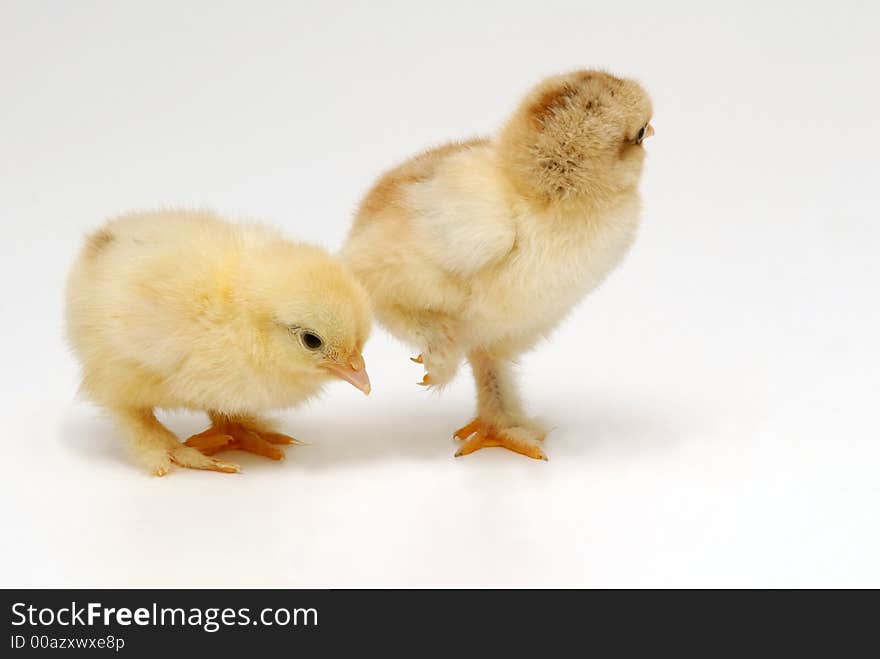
(233, 435)
(159, 461)
(440, 366)
(185, 456)
(157, 448)
(479, 434)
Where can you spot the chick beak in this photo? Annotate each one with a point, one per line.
(353, 372)
(649, 130)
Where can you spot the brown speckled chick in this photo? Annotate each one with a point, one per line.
(477, 249)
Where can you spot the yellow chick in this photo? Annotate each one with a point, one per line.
(181, 309)
(477, 249)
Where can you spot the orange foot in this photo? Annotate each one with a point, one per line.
(478, 434)
(233, 435)
(426, 380)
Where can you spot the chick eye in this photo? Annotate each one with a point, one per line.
(640, 135)
(311, 341)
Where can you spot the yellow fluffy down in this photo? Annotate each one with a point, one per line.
(182, 309)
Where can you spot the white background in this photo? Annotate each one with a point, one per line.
(714, 404)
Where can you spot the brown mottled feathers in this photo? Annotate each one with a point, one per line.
(98, 241)
(386, 192)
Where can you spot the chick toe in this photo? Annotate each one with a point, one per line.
(230, 435)
(157, 463)
(250, 441)
(186, 456)
(477, 435)
(466, 431)
(280, 439)
(210, 441)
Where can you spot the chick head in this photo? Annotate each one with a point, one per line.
(578, 135)
(311, 316)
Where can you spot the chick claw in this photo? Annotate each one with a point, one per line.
(236, 436)
(426, 380)
(477, 435)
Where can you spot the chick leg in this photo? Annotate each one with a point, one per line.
(500, 420)
(157, 447)
(245, 433)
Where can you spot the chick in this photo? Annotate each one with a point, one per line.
(184, 310)
(477, 249)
